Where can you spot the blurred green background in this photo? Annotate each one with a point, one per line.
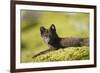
(68, 24)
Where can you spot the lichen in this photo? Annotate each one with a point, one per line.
(67, 54)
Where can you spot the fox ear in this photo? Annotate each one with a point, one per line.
(42, 29)
(52, 27)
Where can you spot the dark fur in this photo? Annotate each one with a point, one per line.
(55, 42)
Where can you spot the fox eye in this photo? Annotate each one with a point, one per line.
(52, 27)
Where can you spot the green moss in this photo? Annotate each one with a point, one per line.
(67, 54)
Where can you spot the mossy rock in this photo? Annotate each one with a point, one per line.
(67, 54)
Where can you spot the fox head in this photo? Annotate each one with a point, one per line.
(48, 35)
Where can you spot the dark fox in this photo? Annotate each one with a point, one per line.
(55, 42)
